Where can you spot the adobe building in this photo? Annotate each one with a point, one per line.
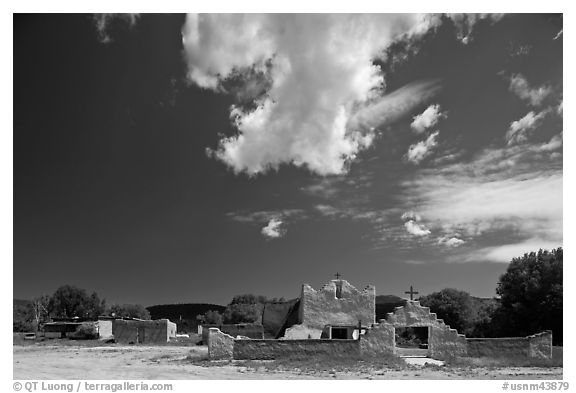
(138, 331)
(339, 320)
(337, 310)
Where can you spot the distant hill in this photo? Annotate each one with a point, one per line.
(21, 302)
(184, 315)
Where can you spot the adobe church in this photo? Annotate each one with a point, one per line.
(339, 320)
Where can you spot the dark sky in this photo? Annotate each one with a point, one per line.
(114, 190)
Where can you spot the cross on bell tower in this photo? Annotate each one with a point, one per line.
(411, 292)
(338, 285)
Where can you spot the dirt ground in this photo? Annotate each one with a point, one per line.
(38, 362)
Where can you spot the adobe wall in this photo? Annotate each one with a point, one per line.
(278, 349)
(242, 329)
(443, 341)
(171, 328)
(535, 346)
(142, 332)
(301, 332)
(540, 345)
(378, 340)
(104, 329)
(220, 345)
(320, 308)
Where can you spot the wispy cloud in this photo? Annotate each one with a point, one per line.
(517, 190)
(504, 253)
(535, 96)
(558, 35)
(520, 130)
(428, 118)
(395, 105)
(266, 215)
(102, 23)
(419, 151)
(465, 24)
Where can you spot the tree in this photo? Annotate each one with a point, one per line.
(211, 317)
(22, 317)
(245, 308)
(69, 302)
(455, 307)
(130, 311)
(40, 310)
(243, 313)
(531, 295)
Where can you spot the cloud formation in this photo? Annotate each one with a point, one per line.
(535, 96)
(465, 23)
(321, 75)
(412, 225)
(419, 151)
(274, 229)
(102, 23)
(416, 229)
(428, 118)
(520, 130)
(515, 190)
(450, 241)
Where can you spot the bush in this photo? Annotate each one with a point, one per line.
(86, 331)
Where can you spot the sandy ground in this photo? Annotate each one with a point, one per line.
(39, 362)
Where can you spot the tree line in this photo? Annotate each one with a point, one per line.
(69, 302)
(530, 299)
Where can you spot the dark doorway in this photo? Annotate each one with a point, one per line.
(339, 333)
(411, 337)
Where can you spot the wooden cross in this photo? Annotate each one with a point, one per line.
(338, 275)
(412, 292)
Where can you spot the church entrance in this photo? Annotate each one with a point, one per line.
(411, 341)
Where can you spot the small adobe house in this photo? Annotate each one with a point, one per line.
(339, 320)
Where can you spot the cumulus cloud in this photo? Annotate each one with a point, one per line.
(535, 96)
(520, 130)
(428, 118)
(450, 241)
(419, 151)
(412, 226)
(416, 229)
(274, 229)
(321, 75)
(103, 22)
